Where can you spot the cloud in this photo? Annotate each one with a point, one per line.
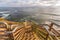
(58, 3)
(19, 3)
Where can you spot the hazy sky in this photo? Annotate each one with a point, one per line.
(20, 3)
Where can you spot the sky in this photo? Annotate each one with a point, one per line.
(23, 3)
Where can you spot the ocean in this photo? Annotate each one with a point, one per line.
(38, 14)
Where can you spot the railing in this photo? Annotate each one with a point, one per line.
(41, 32)
(18, 33)
(52, 31)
